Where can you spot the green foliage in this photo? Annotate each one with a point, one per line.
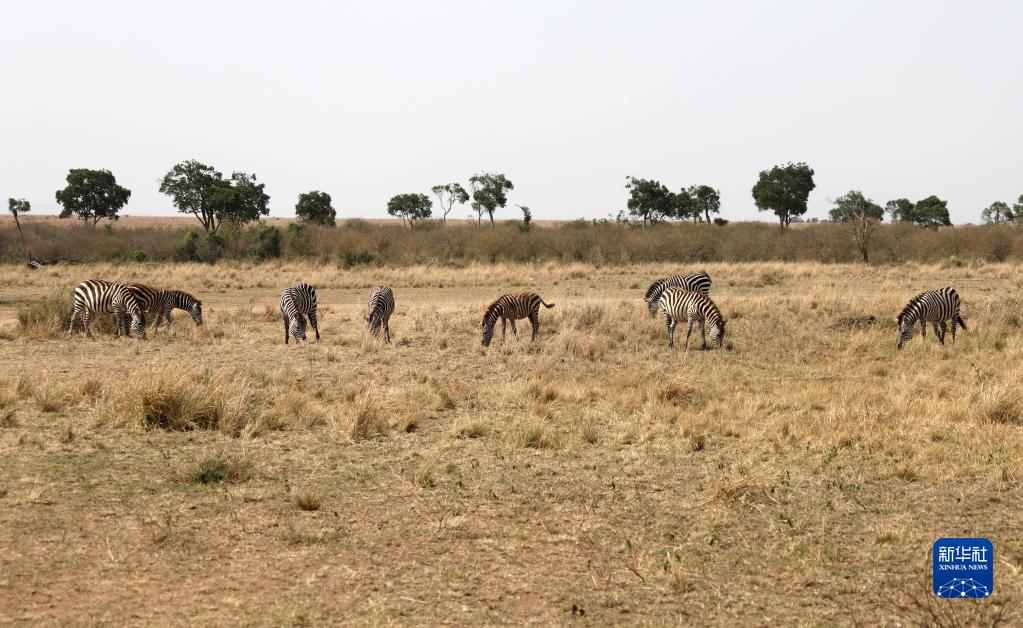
(900, 210)
(410, 207)
(721, 222)
(138, 255)
(784, 190)
(706, 200)
(202, 191)
(860, 215)
(454, 193)
(315, 207)
(18, 206)
(683, 205)
(527, 218)
(997, 213)
(489, 192)
(350, 259)
(649, 200)
(92, 195)
(267, 244)
(931, 212)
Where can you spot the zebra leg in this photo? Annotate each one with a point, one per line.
(670, 324)
(85, 323)
(74, 315)
(286, 328)
(955, 323)
(703, 334)
(688, 332)
(504, 324)
(387, 332)
(534, 319)
(944, 330)
(118, 321)
(312, 321)
(515, 332)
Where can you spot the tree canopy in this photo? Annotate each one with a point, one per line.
(489, 192)
(996, 213)
(92, 195)
(448, 195)
(650, 200)
(706, 201)
(861, 215)
(931, 212)
(315, 207)
(202, 191)
(784, 190)
(900, 210)
(410, 207)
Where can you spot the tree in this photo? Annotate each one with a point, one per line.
(706, 200)
(20, 206)
(900, 210)
(1017, 210)
(489, 192)
(410, 207)
(202, 191)
(784, 190)
(650, 200)
(92, 195)
(861, 215)
(315, 207)
(997, 212)
(454, 192)
(931, 212)
(527, 217)
(683, 205)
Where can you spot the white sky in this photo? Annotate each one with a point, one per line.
(366, 100)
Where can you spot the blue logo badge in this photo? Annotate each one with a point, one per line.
(964, 568)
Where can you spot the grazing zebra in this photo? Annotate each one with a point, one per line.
(512, 307)
(126, 305)
(163, 301)
(381, 306)
(96, 295)
(297, 302)
(697, 282)
(682, 304)
(935, 307)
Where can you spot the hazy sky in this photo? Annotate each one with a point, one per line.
(365, 100)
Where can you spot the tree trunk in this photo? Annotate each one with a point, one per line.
(707, 213)
(21, 236)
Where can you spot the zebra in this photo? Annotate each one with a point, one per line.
(97, 295)
(163, 301)
(512, 307)
(381, 306)
(680, 304)
(697, 282)
(934, 306)
(297, 302)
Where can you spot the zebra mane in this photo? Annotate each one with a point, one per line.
(184, 300)
(656, 288)
(492, 313)
(909, 308)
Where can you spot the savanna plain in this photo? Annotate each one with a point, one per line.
(214, 475)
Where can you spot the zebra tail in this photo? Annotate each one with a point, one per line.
(962, 323)
(546, 305)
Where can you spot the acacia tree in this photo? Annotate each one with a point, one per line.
(706, 200)
(996, 213)
(454, 193)
(202, 191)
(650, 200)
(683, 205)
(931, 212)
(861, 215)
(784, 190)
(1017, 210)
(489, 192)
(92, 195)
(20, 206)
(900, 210)
(315, 207)
(410, 208)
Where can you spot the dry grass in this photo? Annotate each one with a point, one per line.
(591, 475)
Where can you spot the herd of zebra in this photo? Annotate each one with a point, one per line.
(680, 297)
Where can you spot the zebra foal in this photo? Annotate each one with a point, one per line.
(297, 302)
(696, 282)
(934, 307)
(512, 307)
(381, 306)
(164, 301)
(693, 307)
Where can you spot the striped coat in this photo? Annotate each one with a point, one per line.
(99, 296)
(163, 301)
(297, 302)
(697, 282)
(934, 307)
(693, 307)
(512, 307)
(381, 306)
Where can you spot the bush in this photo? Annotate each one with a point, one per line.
(267, 245)
(50, 317)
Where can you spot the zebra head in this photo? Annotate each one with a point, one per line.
(717, 333)
(298, 328)
(488, 331)
(374, 322)
(905, 327)
(196, 312)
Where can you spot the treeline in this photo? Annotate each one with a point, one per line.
(357, 242)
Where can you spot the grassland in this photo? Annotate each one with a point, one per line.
(213, 475)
